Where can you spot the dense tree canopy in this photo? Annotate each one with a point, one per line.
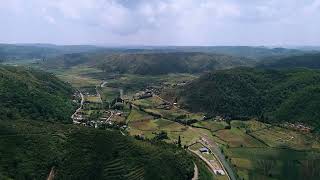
(291, 95)
(30, 149)
(33, 94)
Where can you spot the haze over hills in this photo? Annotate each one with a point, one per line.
(25, 51)
(40, 51)
(310, 60)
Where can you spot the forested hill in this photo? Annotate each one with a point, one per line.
(311, 61)
(150, 63)
(291, 95)
(33, 143)
(252, 52)
(163, 63)
(40, 51)
(30, 150)
(33, 94)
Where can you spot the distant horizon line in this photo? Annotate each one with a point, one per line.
(160, 46)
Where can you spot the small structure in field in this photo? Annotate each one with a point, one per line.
(204, 150)
(219, 172)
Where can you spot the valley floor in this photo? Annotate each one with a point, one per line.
(240, 149)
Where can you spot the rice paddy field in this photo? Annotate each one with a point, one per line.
(237, 138)
(108, 94)
(255, 150)
(211, 125)
(78, 76)
(136, 115)
(151, 102)
(149, 127)
(277, 136)
(263, 151)
(93, 99)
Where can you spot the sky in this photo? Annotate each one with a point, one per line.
(161, 22)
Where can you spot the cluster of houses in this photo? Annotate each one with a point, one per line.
(178, 84)
(104, 120)
(299, 127)
(143, 94)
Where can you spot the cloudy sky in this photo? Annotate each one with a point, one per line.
(161, 22)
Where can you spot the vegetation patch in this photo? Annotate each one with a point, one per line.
(245, 93)
(33, 94)
(76, 151)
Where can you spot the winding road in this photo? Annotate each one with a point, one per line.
(81, 105)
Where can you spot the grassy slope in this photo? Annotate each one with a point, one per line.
(32, 94)
(291, 95)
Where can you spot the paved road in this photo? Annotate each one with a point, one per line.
(217, 152)
(204, 160)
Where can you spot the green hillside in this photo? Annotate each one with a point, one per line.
(33, 94)
(149, 63)
(253, 52)
(271, 95)
(311, 61)
(29, 150)
(33, 141)
(39, 51)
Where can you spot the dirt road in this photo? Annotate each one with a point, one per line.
(51, 174)
(196, 172)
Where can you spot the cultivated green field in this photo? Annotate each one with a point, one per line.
(263, 151)
(211, 125)
(77, 76)
(108, 94)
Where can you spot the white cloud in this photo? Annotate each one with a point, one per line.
(183, 22)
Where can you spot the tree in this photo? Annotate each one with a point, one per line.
(179, 141)
(161, 136)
